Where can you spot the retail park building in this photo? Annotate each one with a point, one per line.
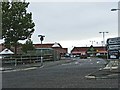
(92, 50)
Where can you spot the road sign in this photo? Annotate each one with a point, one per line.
(113, 54)
(114, 41)
(114, 47)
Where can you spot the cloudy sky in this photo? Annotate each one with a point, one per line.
(74, 22)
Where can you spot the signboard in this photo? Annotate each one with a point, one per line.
(113, 54)
(113, 41)
(113, 47)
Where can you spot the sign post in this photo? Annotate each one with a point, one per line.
(113, 48)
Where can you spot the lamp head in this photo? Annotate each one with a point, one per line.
(114, 9)
(41, 37)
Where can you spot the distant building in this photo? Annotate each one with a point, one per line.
(55, 46)
(50, 51)
(90, 51)
(19, 48)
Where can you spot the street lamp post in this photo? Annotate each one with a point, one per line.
(118, 9)
(103, 39)
(118, 26)
(114, 9)
(41, 39)
(92, 42)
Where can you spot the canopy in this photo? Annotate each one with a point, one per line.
(6, 51)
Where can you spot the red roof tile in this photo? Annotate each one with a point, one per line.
(84, 49)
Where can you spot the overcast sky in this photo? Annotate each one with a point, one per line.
(74, 23)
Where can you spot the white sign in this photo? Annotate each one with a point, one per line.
(114, 47)
(113, 56)
(113, 41)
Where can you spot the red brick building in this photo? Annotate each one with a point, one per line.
(98, 50)
(55, 46)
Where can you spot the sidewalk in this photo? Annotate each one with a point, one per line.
(111, 71)
(33, 65)
(104, 74)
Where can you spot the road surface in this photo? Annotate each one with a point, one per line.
(68, 75)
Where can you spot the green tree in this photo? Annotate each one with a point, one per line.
(17, 23)
(28, 46)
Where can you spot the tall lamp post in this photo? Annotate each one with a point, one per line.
(118, 17)
(41, 39)
(92, 42)
(103, 39)
(114, 9)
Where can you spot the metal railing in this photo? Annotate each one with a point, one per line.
(19, 59)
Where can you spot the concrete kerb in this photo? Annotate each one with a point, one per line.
(112, 76)
(102, 75)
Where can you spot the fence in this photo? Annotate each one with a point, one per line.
(20, 59)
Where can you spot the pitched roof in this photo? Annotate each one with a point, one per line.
(84, 49)
(6, 51)
(48, 45)
(75, 49)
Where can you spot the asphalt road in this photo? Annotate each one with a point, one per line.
(69, 75)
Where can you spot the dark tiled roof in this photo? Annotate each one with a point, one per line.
(81, 49)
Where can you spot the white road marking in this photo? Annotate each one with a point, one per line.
(20, 69)
(66, 64)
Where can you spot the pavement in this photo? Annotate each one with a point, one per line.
(21, 67)
(105, 73)
(111, 71)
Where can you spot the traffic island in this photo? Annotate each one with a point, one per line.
(103, 74)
